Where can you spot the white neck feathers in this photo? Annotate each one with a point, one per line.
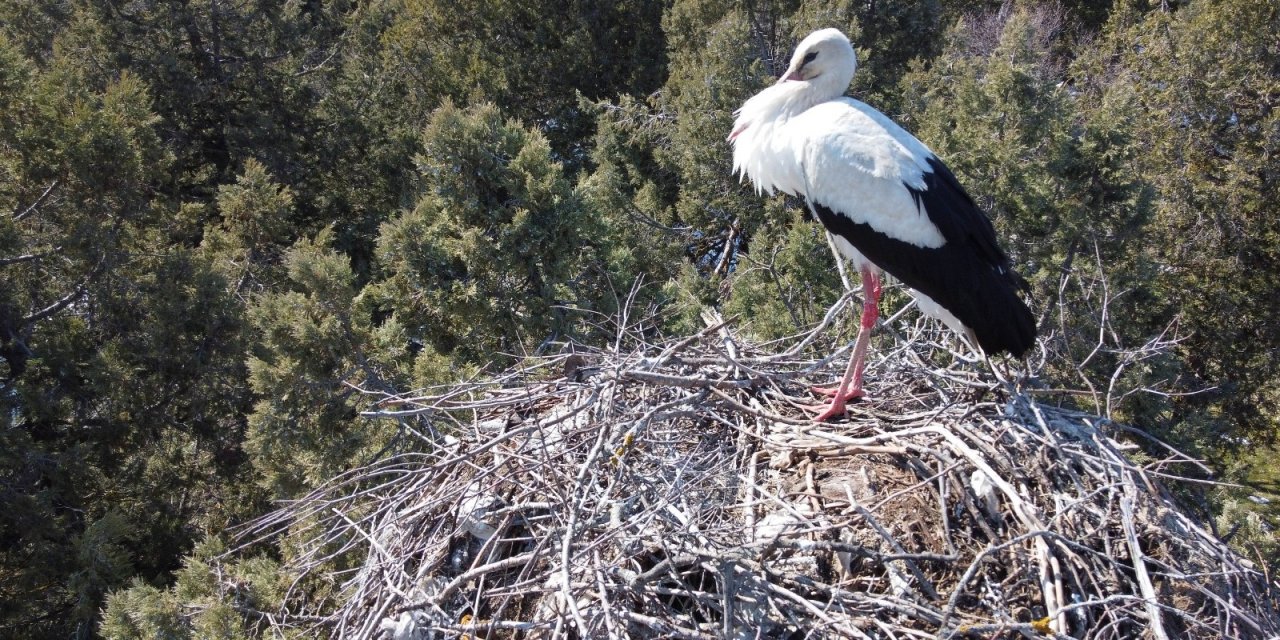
(759, 153)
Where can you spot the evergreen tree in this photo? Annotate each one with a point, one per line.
(306, 369)
(1198, 87)
(119, 348)
(247, 245)
(499, 250)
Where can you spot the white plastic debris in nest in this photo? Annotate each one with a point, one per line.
(409, 625)
(777, 523)
(985, 490)
(476, 512)
(491, 426)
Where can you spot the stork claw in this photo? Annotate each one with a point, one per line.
(833, 410)
(838, 403)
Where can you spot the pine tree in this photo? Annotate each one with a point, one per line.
(119, 345)
(306, 368)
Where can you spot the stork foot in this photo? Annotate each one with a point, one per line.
(833, 410)
(838, 404)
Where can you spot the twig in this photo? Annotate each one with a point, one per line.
(1140, 567)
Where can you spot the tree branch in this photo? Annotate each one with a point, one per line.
(19, 215)
(66, 300)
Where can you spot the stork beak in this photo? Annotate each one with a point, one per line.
(791, 75)
(737, 131)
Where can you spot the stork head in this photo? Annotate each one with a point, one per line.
(826, 60)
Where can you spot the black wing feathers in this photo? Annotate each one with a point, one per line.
(950, 208)
(968, 275)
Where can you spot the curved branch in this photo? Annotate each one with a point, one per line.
(65, 301)
(4, 262)
(19, 215)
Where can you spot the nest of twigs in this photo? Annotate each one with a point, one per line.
(681, 490)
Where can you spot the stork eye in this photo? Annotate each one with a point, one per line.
(808, 57)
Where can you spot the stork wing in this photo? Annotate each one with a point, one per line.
(862, 164)
(881, 190)
(955, 214)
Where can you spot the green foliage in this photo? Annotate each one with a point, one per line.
(102, 560)
(307, 357)
(119, 350)
(226, 603)
(534, 58)
(712, 72)
(255, 212)
(143, 612)
(498, 248)
(1199, 85)
(784, 287)
(1250, 533)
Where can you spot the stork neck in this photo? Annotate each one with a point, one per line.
(798, 97)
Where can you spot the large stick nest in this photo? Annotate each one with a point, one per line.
(680, 490)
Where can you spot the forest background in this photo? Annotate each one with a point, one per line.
(227, 225)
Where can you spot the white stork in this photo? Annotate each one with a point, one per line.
(887, 201)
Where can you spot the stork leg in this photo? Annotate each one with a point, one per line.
(851, 384)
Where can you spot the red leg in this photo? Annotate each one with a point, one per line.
(851, 384)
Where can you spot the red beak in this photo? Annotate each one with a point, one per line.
(791, 76)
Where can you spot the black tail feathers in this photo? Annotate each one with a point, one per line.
(1003, 322)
